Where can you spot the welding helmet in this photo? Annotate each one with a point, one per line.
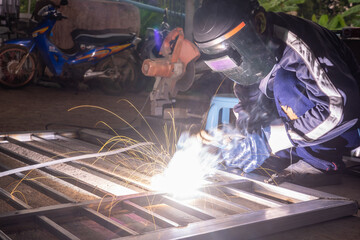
(231, 36)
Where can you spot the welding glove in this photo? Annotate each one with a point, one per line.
(247, 153)
(219, 138)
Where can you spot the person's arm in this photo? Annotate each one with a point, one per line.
(327, 87)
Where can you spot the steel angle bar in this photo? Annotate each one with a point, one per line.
(52, 142)
(80, 165)
(252, 197)
(259, 223)
(107, 222)
(76, 141)
(56, 229)
(242, 188)
(76, 182)
(243, 184)
(44, 221)
(95, 216)
(149, 215)
(186, 208)
(72, 207)
(172, 202)
(278, 191)
(58, 196)
(3, 236)
(33, 148)
(236, 208)
(26, 136)
(13, 201)
(94, 136)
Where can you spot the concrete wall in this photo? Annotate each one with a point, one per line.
(95, 15)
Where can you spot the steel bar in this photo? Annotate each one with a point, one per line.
(46, 222)
(252, 197)
(257, 185)
(13, 201)
(258, 223)
(193, 211)
(54, 228)
(63, 160)
(94, 169)
(224, 203)
(243, 184)
(174, 203)
(107, 222)
(3, 236)
(26, 136)
(149, 215)
(76, 182)
(288, 206)
(70, 207)
(50, 192)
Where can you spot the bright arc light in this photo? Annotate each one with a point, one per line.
(187, 170)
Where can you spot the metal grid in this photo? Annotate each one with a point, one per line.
(228, 207)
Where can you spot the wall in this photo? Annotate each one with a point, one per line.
(95, 15)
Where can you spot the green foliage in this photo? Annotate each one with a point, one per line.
(24, 6)
(335, 23)
(332, 14)
(149, 20)
(281, 5)
(349, 17)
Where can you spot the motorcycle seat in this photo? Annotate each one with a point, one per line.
(101, 37)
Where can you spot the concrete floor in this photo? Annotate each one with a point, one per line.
(33, 107)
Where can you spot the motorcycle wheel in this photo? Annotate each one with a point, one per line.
(122, 75)
(10, 57)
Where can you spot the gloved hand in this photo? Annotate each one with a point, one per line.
(218, 138)
(247, 153)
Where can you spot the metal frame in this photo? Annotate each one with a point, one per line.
(228, 207)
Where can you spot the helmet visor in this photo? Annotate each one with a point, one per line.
(221, 57)
(241, 56)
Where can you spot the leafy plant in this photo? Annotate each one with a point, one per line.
(281, 5)
(24, 5)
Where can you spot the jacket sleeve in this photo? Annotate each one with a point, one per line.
(327, 82)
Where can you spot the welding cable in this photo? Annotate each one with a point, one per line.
(70, 159)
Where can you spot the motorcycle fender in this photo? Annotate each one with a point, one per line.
(28, 43)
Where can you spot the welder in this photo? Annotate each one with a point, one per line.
(297, 74)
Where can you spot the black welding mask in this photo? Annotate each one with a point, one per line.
(230, 34)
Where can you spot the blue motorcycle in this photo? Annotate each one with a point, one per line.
(95, 56)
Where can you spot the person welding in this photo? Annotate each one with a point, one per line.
(285, 66)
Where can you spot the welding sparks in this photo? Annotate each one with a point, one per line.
(188, 168)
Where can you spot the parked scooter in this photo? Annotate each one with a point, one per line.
(95, 56)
